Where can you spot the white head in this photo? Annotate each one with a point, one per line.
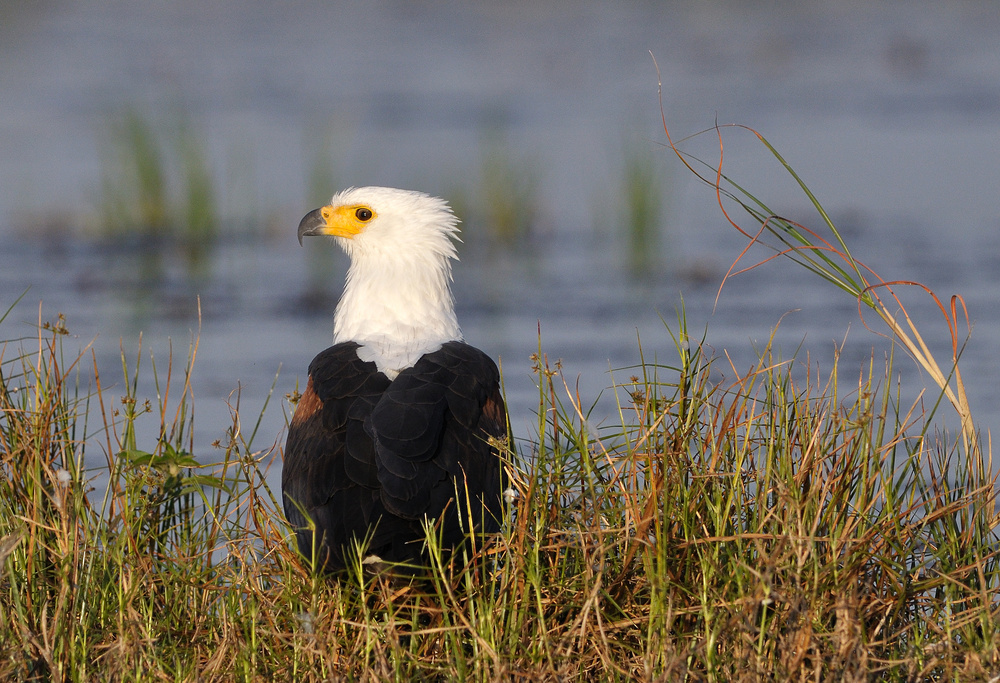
(397, 301)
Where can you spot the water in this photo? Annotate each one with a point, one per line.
(890, 112)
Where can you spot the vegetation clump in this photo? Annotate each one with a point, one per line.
(777, 525)
(158, 190)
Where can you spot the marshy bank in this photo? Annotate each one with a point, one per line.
(769, 526)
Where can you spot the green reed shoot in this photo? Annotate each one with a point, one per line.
(158, 187)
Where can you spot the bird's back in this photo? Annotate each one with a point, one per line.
(368, 459)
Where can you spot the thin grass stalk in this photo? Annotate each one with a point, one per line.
(819, 256)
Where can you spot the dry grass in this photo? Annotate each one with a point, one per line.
(771, 527)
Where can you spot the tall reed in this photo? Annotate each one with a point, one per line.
(158, 189)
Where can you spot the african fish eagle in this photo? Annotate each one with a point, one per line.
(400, 419)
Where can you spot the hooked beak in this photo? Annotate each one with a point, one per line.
(312, 224)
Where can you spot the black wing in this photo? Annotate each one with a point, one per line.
(367, 459)
(329, 473)
(432, 431)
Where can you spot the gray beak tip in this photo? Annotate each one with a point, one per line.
(311, 224)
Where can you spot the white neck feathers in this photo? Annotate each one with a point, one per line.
(397, 301)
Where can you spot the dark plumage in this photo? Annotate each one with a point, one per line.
(369, 457)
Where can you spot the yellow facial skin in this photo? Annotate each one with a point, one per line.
(346, 221)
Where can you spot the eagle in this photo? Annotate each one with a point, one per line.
(401, 422)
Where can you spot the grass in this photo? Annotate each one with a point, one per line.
(508, 194)
(830, 259)
(784, 524)
(158, 188)
(642, 190)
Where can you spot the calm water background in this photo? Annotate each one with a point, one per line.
(890, 111)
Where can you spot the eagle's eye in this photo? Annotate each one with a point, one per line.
(363, 214)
